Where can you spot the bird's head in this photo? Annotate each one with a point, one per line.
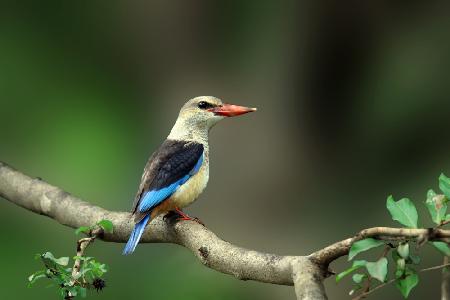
(208, 110)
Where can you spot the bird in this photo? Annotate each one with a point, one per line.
(178, 171)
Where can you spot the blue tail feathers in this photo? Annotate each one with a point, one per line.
(136, 235)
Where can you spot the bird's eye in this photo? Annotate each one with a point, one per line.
(204, 105)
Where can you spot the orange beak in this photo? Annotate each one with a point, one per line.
(230, 110)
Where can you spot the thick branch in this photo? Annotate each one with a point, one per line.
(45, 199)
(306, 272)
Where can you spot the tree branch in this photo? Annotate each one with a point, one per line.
(445, 285)
(330, 253)
(307, 273)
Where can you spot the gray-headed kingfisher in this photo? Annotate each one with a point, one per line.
(177, 173)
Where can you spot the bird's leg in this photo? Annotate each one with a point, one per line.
(181, 216)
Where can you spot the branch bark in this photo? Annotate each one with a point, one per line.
(307, 273)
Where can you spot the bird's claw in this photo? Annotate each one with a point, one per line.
(177, 215)
(195, 219)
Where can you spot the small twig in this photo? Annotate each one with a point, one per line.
(386, 251)
(368, 284)
(435, 267)
(367, 293)
(443, 223)
(82, 244)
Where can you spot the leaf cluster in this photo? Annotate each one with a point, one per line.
(60, 275)
(404, 260)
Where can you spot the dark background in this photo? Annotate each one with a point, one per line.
(353, 106)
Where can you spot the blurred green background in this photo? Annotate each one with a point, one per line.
(353, 106)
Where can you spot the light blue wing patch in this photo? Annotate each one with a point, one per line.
(153, 198)
(197, 166)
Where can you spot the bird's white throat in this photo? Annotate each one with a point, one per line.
(189, 129)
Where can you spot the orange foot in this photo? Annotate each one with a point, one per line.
(181, 215)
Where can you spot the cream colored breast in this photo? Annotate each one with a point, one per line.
(189, 192)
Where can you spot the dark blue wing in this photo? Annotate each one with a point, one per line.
(169, 168)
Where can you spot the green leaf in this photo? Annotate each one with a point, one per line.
(431, 193)
(358, 278)
(403, 211)
(48, 255)
(406, 284)
(84, 271)
(107, 225)
(356, 265)
(400, 270)
(395, 256)
(35, 276)
(442, 247)
(50, 260)
(378, 269)
(363, 245)
(403, 250)
(444, 185)
(63, 261)
(103, 268)
(83, 229)
(97, 268)
(437, 206)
